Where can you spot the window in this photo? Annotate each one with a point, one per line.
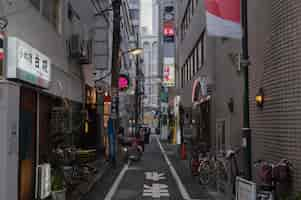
(51, 10)
(36, 3)
(193, 62)
(189, 12)
(196, 56)
(200, 53)
(134, 14)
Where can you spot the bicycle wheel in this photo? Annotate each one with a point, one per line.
(204, 174)
(221, 176)
(221, 171)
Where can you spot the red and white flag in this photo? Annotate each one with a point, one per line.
(223, 18)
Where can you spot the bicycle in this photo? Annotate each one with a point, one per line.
(270, 175)
(231, 172)
(211, 170)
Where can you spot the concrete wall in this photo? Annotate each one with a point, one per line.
(9, 136)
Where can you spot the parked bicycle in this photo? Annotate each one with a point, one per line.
(197, 155)
(270, 175)
(211, 170)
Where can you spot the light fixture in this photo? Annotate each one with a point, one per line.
(231, 105)
(260, 98)
(135, 51)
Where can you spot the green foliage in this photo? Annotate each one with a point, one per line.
(57, 181)
(296, 196)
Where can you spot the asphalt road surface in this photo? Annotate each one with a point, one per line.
(154, 177)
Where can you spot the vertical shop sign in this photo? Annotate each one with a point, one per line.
(1, 53)
(114, 106)
(169, 72)
(168, 25)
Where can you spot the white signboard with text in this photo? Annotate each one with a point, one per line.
(245, 190)
(169, 72)
(27, 63)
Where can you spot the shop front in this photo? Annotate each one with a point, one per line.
(201, 101)
(31, 69)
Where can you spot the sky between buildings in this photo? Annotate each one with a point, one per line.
(146, 14)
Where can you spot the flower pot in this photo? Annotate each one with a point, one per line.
(59, 195)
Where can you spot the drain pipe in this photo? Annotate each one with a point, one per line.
(246, 131)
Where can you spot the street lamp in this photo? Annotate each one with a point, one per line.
(135, 51)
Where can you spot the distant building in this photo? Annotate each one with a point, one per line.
(155, 17)
(134, 9)
(150, 69)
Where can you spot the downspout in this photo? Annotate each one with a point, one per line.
(246, 131)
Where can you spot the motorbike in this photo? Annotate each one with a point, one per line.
(132, 148)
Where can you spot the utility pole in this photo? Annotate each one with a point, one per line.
(115, 70)
(137, 88)
(246, 131)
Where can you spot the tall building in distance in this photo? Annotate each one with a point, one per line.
(134, 8)
(155, 17)
(166, 60)
(150, 69)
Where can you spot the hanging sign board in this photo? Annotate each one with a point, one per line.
(27, 63)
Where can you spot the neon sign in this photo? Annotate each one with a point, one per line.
(123, 82)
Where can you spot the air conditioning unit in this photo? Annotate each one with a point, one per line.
(75, 44)
(86, 52)
(44, 180)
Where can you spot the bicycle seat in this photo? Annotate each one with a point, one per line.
(229, 154)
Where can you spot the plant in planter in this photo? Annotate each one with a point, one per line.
(58, 189)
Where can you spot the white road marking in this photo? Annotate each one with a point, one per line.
(154, 176)
(114, 187)
(156, 191)
(180, 185)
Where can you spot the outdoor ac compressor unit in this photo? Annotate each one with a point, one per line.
(44, 180)
(75, 46)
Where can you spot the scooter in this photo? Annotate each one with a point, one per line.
(132, 149)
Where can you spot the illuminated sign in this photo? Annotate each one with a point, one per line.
(27, 63)
(168, 25)
(168, 29)
(1, 46)
(169, 72)
(123, 82)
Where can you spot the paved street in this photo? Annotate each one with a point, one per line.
(159, 175)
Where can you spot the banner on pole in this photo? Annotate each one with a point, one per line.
(223, 18)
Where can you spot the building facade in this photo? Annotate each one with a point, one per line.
(209, 82)
(166, 31)
(134, 6)
(150, 70)
(56, 55)
(275, 68)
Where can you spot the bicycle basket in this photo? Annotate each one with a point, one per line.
(281, 173)
(266, 173)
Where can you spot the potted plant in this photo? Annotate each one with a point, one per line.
(57, 184)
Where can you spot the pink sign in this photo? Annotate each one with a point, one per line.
(123, 82)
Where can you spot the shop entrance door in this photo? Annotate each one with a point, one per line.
(28, 113)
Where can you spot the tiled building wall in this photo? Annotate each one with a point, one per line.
(275, 54)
